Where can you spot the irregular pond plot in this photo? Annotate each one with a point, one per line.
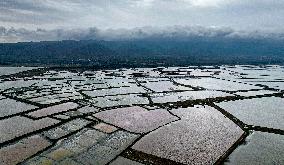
(255, 93)
(54, 109)
(115, 91)
(136, 119)
(260, 148)
(202, 136)
(11, 107)
(264, 112)
(187, 95)
(16, 153)
(17, 126)
(216, 84)
(164, 86)
(111, 101)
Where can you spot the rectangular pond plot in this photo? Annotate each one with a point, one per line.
(46, 96)
(119, 100)
(23, 149)
(260, 73)
(51, 99)
(264, 112)
(69, 147)
(140, 72)
(88, 84)
(187, 95)
(107, 149)
(47, 84)
(252, 72)
(60, 75)
(40, 95)
(4, 85)
(152, 79)
(204, 72)
(54, 109)
(255, 93)
(170, 69)
(106, 128)
(228, 75)
(88, 146)
(115, 91)
(17, 126)
(11, 107)
(275, 85)
(136, 119)
(47, 100)
(216, 84)
(103, 81)
(66, 128)
(30, 94)
(70, 95)
(164, 86)
(118, 81)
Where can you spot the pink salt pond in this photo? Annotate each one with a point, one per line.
(136, 119)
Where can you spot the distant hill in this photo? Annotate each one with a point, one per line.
(144, 53)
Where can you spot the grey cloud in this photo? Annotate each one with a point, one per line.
(52, 14)
(34, 12)
(172, 32)
(27, 5)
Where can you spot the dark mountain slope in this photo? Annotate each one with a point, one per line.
(146, 52)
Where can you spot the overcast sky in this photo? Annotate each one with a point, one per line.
(240, 15)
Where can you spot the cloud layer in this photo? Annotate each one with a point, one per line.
(171, 32)
(60, 18)
(54, 14)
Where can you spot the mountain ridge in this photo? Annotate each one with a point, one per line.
(152, 51)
